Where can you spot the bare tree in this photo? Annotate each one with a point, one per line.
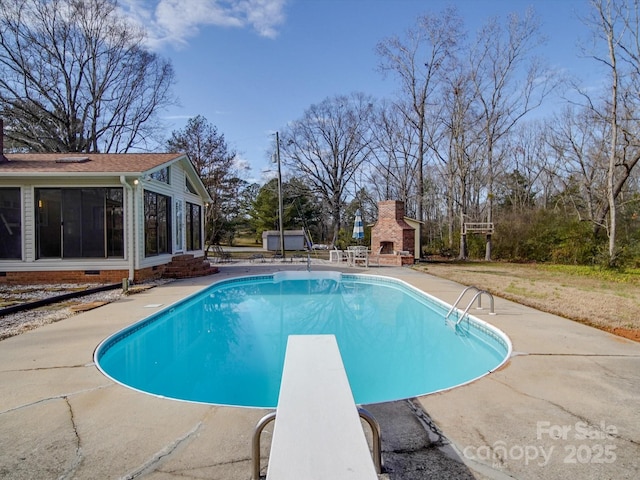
(328, 145)
(578, 139)
(463, 141)
(521, 185)
(394, 157)
(214, 162)
(75, 77)
(530, 157)
(509, 83)
(419, 61)
(614, 24)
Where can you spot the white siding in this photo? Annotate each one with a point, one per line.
(176, 190)
(133, 218)
(28, 224)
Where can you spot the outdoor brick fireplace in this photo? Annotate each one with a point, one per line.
(392, 236)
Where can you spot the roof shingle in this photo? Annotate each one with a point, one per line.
(104, 163)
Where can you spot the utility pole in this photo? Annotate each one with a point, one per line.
(280, 207)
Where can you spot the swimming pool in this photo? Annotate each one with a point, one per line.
(226, 344)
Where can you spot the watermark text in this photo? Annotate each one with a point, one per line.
(578, 443)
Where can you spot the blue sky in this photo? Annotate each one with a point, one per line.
(251, 66)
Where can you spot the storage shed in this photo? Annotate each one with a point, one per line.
(293, 240)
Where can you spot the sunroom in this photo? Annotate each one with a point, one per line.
(99, 217)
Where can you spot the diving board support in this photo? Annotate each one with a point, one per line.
(317, 433)
(270, 417)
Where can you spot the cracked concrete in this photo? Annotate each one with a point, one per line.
(567, 379)
(78, 443)
(572, 392)
(155, 463)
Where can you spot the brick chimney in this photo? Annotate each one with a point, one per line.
(391, 232)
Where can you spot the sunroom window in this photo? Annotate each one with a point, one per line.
(79, 222)
(189, 186)
(10, 223)
(161, 175)
(193, 226)
(157, 223)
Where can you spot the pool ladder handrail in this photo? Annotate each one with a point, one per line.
(478, 295)
(270, 417)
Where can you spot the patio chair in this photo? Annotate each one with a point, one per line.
(257, 257)
(360, 255)
(298, 257)
(219, 254)
(343, 256)
(338, 256)
(377, 256)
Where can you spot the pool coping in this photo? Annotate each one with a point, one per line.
(464, 325)
(60, 417)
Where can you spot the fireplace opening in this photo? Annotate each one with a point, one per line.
(386, 247)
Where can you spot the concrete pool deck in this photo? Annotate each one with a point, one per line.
(566, 405)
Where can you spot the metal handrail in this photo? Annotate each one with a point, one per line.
(255, 443)
(478, 296)
(455, 304)
(375, 435)
(270, 417)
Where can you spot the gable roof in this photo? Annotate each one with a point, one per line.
(83, 163)
(96, 165)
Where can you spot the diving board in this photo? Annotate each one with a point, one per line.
(317, 433)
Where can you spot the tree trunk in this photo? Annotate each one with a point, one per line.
(611, 197)
(450, 208)
(487, 251)
(463, 238)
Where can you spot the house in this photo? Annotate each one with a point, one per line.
(90, 217)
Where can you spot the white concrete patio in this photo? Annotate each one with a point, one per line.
(567, 404)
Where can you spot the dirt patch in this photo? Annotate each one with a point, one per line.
(627, 333)
(138, 289)
(85, 307)
(607, 305)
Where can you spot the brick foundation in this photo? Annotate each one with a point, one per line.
(395, 260)
(181, 266)
(71, 276)
(149, 273)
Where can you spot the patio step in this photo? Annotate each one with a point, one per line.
(188, 266)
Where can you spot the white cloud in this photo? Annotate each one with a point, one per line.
(178, 117)
(175, 21)
(264, 15)
(242, 164)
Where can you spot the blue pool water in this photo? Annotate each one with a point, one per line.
(226, 344)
